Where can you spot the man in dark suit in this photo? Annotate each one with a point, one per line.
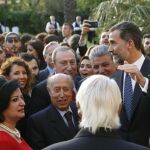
(64, 61)
(126, 44)
(51, 124)
(99, 100)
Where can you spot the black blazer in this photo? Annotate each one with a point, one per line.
(138, 129)
(40, 97)
(102, 140)
(43, 74)
(47, 127)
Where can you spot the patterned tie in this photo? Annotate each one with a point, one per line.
(128, 95)
(68, 116)
(73, 95)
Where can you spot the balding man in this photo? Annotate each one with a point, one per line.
(59, 121)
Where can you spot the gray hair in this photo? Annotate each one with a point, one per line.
(52, 44)
(51, 80)
(61, 49)
(99, 100)
(99, 51)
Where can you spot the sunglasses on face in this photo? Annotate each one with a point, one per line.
(12, 39)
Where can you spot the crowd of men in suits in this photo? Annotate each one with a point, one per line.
(53, 115)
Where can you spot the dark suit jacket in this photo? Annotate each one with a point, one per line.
(47, 127)
(43, 74)
(102, 140)
(40, 97)
(138, 129)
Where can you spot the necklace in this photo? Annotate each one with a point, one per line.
(14, 132)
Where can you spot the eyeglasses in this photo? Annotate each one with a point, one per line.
(12, 39)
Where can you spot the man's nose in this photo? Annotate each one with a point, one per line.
(61, 93)
(101, 70)
(69, 67)
(110, 49)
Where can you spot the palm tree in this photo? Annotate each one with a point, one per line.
(111, 12)
(69, 10)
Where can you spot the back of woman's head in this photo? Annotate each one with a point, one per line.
(99, 100)
(6, 90)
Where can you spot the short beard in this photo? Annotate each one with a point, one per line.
(118, 60)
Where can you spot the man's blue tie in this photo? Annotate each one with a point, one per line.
(128, 95)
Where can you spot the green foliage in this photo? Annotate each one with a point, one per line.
(111, 12)
(30, 15)
(28, 21)
(85, 7)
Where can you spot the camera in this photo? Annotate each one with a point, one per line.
(93, 24)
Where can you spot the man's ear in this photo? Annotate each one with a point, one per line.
(131, 44)
(54, 66)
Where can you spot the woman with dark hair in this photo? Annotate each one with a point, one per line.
(85, 68)
(16, 68)
(35, 47)
(11, 111)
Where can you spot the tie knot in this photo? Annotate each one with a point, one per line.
(68, 115)
(127, 75)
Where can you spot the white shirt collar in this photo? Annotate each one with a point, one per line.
(139, 62)
(62, 113)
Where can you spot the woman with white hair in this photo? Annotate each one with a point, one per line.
(99, 102)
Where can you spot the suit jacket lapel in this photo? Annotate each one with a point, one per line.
(137, 89)
(60, 125)
(118, 77)
(136, 98)
(75, 114)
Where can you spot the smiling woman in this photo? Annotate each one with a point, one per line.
(85, 68)
(11, 111)
(16, 68)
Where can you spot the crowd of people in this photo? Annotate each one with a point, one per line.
(56, 92)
